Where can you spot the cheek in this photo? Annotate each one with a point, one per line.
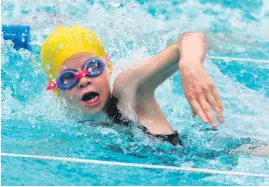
(69, 95)
(104, 82)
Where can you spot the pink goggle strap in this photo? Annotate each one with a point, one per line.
(51, 85)
(106, 59)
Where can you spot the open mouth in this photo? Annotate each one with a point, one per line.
(91, 98)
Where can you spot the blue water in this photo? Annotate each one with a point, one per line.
(33, 122)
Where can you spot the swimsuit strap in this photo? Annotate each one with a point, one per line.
(115, 114)
(173, 138)
(94, 122)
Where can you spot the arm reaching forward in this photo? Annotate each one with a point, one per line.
(186, 55)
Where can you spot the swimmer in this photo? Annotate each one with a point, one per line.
(79, 70)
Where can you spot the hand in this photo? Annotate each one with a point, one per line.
(200, 91)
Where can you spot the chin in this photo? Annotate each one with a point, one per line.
(93, 110)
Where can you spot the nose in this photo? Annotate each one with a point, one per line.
(84, 82)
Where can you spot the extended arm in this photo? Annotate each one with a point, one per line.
(186, 55)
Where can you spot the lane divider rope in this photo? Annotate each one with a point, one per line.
(123, 164)
(238, 59)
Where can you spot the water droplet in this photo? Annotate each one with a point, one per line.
(25, 54)
(115, 3)
(9, 44)
(47, 67)
(60, 46)
(17, 76)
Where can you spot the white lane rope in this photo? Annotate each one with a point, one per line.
(238, 59)
(123, 164)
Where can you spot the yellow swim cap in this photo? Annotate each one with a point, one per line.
(65, 42)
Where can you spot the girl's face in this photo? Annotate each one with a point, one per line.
(90, 94)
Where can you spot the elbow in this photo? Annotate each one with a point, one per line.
(199, 35)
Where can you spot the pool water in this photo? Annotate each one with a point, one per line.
(34, 123)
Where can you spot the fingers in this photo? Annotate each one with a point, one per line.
(198, 110)
(219, 104)
(193, 113)
(215, 105)
(217, 98)
(207, 110)
(203, 101)
(202, 109)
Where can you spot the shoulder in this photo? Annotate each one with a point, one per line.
(125, 79)
(124, 82)
(128, 82)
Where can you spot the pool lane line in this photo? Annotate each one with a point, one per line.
(123, 164)
(225, 58)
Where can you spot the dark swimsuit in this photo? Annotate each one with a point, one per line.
(117, 117)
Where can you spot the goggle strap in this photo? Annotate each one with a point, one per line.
(106, 59)
(52, 85)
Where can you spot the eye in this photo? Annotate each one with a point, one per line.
(93, 67)
(67, 79)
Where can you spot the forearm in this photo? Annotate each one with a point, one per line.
(167, 61)
(160, 67)
(189, 50)
(170, 66)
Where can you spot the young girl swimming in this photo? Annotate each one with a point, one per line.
(79, 71)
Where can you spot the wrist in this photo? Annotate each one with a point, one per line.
(189, 63)
(192, 46)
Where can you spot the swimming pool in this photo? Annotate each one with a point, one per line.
(34, 124)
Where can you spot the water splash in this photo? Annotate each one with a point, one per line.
(132, 31)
